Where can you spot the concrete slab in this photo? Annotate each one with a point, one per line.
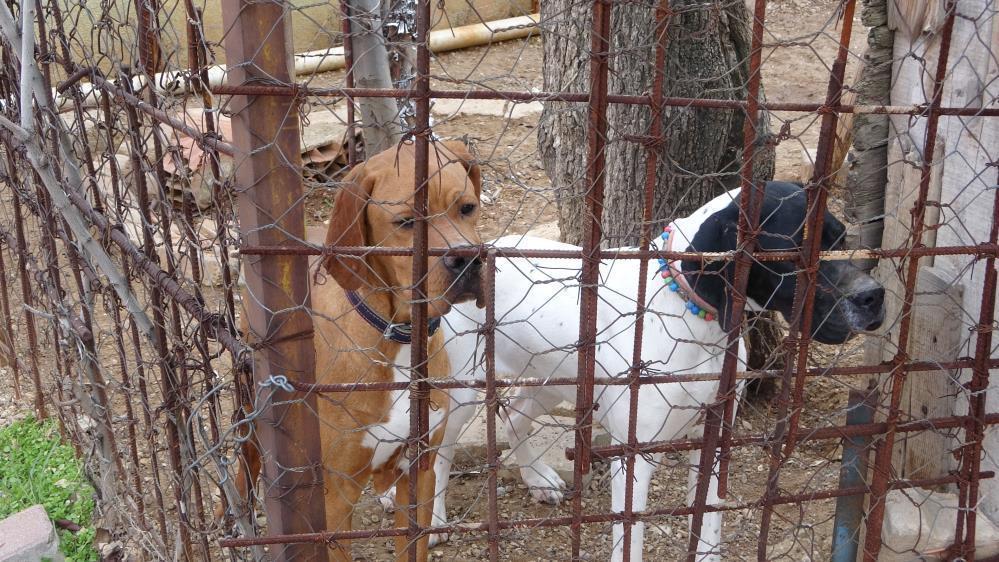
(492, 108)
(919, 525)
(29, 536)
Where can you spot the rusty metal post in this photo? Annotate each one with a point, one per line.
(419, 394)
(492, 405)
(800, 333)
(971, 455)
(718, 415)
(590, 271)
(655, 143)
(265, 132)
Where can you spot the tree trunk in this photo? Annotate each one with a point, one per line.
(379, 116)
(707, 56)
(868, 174)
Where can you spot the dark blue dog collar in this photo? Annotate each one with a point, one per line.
(397, 332)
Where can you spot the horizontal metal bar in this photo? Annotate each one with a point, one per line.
(507, 95)
(204, 141)
(548, 522)
(981, 251)
(815, 434)
(442, 384)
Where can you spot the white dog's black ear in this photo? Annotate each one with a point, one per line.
(712, 281)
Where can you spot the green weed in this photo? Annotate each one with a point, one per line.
(36, 467)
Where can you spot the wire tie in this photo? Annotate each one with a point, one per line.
(279, 381)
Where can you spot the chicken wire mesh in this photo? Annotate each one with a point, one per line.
(223, 225)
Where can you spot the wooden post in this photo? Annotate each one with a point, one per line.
(936, 332)
(265, 132)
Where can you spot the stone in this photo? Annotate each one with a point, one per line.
(29, 536)
(919, 525)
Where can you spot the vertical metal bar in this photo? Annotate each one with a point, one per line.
(852, 472)
(26, 296)
(590, 271)
(8, 327)
(882, 457)
(419, 394)
(971, 454)
(750, 203)
(348, 80)
(656, 143)
(817, 191)
(492, 404)
(266, 130)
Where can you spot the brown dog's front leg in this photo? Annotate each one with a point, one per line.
(424, 510)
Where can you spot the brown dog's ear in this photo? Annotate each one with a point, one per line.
(348, 224)
(457, 150)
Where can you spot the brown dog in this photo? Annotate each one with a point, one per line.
(364, 434)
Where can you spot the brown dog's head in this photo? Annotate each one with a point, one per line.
(375, 208)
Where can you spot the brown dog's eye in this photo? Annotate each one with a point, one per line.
(406, 222)
(467, 209)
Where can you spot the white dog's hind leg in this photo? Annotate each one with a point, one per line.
(640, 494)
(464, 409)
(709, 543)
(545, 485)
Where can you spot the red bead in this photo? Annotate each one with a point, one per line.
(709, 317)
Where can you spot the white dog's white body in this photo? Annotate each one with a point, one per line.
(537, 315)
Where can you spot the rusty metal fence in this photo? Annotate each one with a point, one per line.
(162, 256)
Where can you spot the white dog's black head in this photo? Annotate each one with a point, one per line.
(847, 300)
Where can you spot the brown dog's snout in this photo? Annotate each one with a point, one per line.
(462, 265)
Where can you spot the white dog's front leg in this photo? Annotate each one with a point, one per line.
(544, 483)
(464, 407)
(709, 542)
(640, 499)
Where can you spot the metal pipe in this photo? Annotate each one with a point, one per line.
(853, 472)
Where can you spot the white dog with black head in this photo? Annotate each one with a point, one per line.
(537, 327)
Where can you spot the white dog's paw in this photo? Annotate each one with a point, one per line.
(387, 500)
(545, 485)
(438, 538)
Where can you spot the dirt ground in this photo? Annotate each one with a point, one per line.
(523, 198)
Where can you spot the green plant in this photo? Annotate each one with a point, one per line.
(36, 467)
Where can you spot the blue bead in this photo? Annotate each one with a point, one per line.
(674, 287)
(694, 308)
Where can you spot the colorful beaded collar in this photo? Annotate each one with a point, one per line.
(672, 274)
